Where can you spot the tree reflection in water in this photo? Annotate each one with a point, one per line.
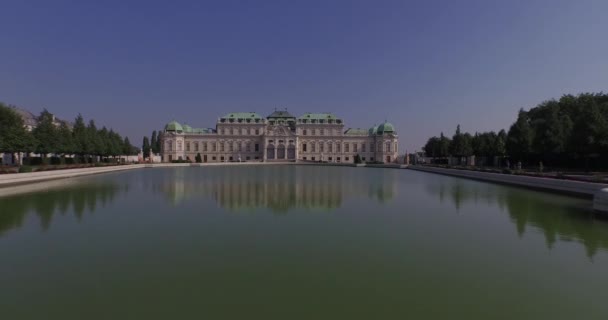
(559, 218)
(279, 189)
(57, 197)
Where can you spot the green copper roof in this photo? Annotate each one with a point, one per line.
(186, 128)
(373, 130)
(280, 114)
(173, 126)
(386, 127)
(242, 115)
(318, 116)
(356, 132)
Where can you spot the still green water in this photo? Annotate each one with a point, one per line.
(298, 242)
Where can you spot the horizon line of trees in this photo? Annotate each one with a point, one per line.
(569, 132)
(86, 142)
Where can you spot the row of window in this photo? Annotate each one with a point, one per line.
(241, 131)
(240, 146)
(330, 121)
(322, 132)
(347, 147)
(214, 146)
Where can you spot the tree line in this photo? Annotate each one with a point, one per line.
(85, 141)
(570, 132)
(152, 144)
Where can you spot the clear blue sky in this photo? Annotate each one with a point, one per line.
(426, 66)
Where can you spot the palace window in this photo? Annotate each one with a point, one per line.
(170, 145)
(338, 147)
(257, 132)
(346, 147)
(313, 132)
(187, 146)
(304, 148)
(321, 132)
(355, 145)
(388, 147)
(231, 146)
(303, 132)
(240, 146)
(321, 146)
(204, 146)
(379, 145)
(222, 146)
(196, 146)
(313, 147)
(363, 147)
(257, 147)
(248, 146)
(330, 147)
(179, 146)
(214, 146)
(233, 131)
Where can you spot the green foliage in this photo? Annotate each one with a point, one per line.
(569, 132)
(47, 134)
(461, 145)
(146, 147)
(14, 137)
(198, 158)
(357, 159)
(520, 137)
(24, 169)
(154, 142)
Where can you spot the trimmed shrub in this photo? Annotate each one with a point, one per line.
(24, 169)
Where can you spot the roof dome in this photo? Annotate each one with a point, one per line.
(386, 127)
(187, 128)
(173, 126)
(372, 131)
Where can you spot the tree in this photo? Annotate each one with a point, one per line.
(444, 146)
(47, 135)
(198, 158)
(520, 137)
(94, 147)
(14, 137)
(67, 144)
(128, 148)
(80, 137)
(461, 144)
(146, 148)
(154, 142)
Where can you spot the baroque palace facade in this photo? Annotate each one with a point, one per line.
(280, 137)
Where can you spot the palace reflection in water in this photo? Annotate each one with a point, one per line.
(278, 190)
(559, 218)
(281, 189)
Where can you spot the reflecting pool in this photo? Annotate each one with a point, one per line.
(298, 242)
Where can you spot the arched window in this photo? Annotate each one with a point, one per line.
(169, 145)
(388, 147)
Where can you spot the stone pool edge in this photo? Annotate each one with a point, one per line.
(596, 191)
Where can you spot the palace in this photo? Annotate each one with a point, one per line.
(280, 137)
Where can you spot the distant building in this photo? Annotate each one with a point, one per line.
(280, 137)
(31, 121)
